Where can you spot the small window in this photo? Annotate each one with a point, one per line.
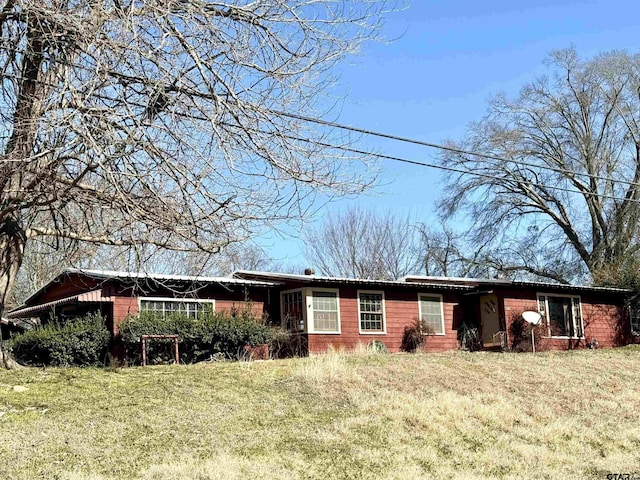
(325, 311)
(176, 306)
(562, 314)
(371, 312)
(431, 313)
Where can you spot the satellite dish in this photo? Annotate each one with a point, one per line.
(532, 317)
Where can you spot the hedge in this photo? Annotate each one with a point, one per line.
(212, 333)
(80, 342)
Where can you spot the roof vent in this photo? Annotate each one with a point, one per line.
(309, 271)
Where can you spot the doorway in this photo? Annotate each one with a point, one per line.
(490, 319)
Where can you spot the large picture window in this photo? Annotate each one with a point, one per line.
(562, 314)
(176, 306)
(371, 312)
(431, 313)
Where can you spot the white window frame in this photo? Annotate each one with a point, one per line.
(384, 314)
(307, 310)
(310, 319)
(545, 314)
(423, 294)
(283, 323)
(174, 299)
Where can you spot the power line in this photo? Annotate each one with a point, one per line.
(466, 172)
(447, 148)
(400, 139)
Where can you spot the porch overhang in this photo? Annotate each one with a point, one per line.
(94, 296)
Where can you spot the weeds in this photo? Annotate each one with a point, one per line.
(337, 415)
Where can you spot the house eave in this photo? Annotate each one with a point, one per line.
(326, 280)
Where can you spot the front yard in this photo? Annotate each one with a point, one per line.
(453, 415)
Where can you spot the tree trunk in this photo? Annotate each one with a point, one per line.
(12, 242)
(6, 360)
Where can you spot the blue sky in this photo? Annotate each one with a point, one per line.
(449, 58)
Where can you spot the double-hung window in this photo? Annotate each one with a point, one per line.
(431, 313)
(311, 310)
(325, 311)
(371, 312)
(562, 314)
(176, 306)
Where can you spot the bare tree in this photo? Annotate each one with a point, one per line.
(556, 193)
(43, 260)
(235, 256)
(164, 122)
(364, 244)
(446, 254)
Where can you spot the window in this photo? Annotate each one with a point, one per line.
(325, 311)
(371, 312)
(562, 315)
(431, 313)
(293, 310)
(178, 306)
(311, 310)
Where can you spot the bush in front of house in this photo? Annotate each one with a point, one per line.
(285, 344)
(79, 342)
(520, 333)
(212, 334)
(414, 336)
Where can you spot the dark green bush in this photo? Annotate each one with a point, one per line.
(213, 333)
(80, 342)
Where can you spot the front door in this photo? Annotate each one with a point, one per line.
(490, 317)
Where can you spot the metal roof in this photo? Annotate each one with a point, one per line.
(159, 277)
(94, 296)
(500, 282)
(346, 280)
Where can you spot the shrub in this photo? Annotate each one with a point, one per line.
(469, 337)
(80, 342)
(284, 344)
(413, 337)
(520, 333)
(212, 334)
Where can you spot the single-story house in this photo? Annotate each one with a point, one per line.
(344, 312)
(117, 295)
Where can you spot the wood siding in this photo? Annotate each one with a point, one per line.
(401, 310)
(225, 301)
(604, 319)
(604, 316)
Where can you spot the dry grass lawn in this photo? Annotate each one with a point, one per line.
(454, 415)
